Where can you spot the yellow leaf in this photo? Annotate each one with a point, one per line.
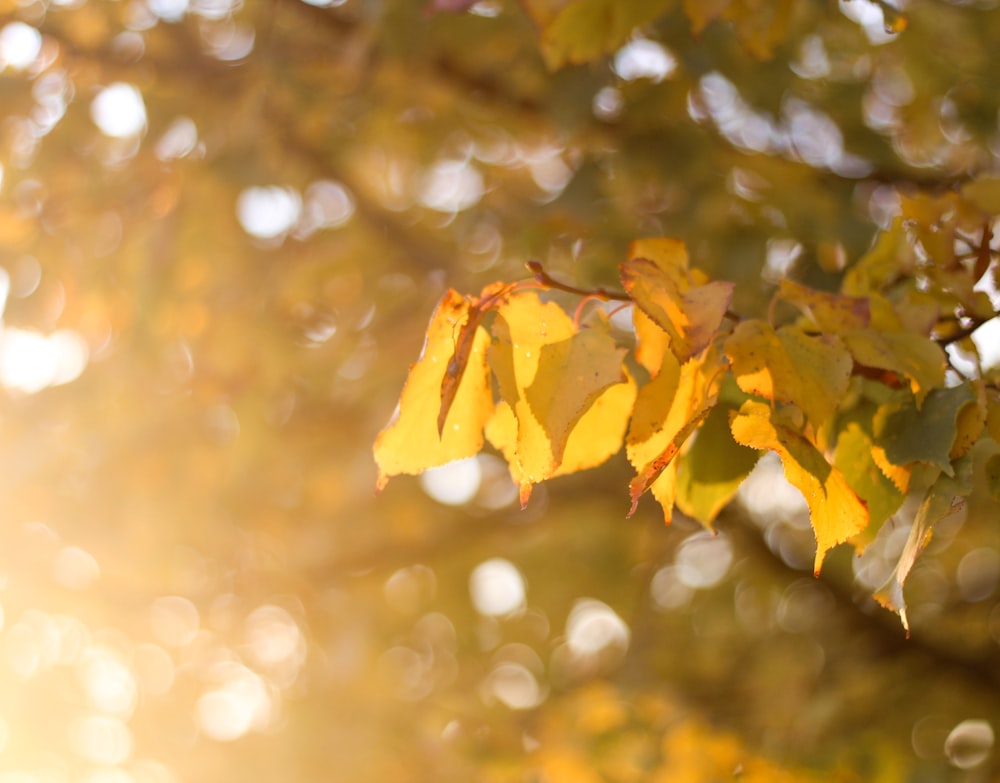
(836, 512)
(830, 312)
(666, 252)
(596, 437)
(890, 258)
(667, 410)
(970, 423)
(651, 341)
(550, 376)
(897, 474)
(790, 366)
(689, 315)
(411, 442)
(670, 255)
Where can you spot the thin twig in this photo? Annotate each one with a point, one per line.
(543, 279)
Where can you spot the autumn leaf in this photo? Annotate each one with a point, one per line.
(710, 472)
(651, 341)
(583, 30)
(836, 512)
(854, 456)
(595, 438)
(490, 298)
(667, 411)
(787, 365)
(691, 316)
(759, 26)
(549, 376)
(945, 496)
(411, 442)
(928, 434)
(913, 356)
(970, 423)
(891, 258)
(833, 313)
(653, 471)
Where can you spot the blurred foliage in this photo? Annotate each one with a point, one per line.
(223, 226)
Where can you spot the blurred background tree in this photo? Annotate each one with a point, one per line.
(223, 226)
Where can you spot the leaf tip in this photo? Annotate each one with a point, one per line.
(524, 494)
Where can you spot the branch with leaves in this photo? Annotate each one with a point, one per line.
(853, 395)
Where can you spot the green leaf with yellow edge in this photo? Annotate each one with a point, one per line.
(667, 410)
(549, 374)
(410, 443)
(854, 457)
(917, 358)
(710, 472)
(836, 512)
(584, 30)
(812, 372)
(908, 434)
(945, 496)
(830, 312)
(691, 316)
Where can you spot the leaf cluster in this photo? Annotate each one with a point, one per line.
(861, 394)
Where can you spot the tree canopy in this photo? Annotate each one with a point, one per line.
(738, 254)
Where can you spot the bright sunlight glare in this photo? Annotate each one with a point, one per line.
(497, 588)
(19, 45)
(31, 361)
(268, 212)
(118, 111)
(644, 59)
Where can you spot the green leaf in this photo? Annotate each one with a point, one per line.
(927, 434)
(710, 472)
